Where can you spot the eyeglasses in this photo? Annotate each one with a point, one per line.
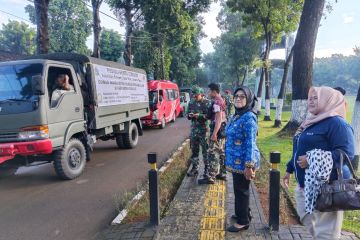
(241, 97)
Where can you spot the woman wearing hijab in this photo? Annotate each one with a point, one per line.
(242, 156)
(324, 129)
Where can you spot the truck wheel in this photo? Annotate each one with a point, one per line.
(70, 161)
(119, 141)
(7, 171)
(163, 123)
(132, 137)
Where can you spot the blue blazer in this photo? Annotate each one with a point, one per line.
(240, 145)
(329, 134)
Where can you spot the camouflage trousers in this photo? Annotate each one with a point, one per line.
(197, 141)
(216, 158)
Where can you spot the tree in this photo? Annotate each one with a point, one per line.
(280, 101)
(240, 47)
(69, 25)
(41, 21)
(303, 60)
(96, 26)
(356, 118)
(129, 13)
(18, 38)
(111, 45)
(270, 20)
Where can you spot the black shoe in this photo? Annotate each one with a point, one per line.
(192, 173)
(236, 229)
(221, 177)
(206, 181)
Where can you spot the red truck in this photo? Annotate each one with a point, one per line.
(164, 100)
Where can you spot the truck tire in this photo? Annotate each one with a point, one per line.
(131, 138)
(7, 171)
(120, 141)
(163, 123)
(70, 161)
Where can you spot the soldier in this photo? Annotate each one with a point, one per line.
(197, 112)
(229, 103)
(216, 156)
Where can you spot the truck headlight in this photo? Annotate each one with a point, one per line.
(34, 132)
(154, 116)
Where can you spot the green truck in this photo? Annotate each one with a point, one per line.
(54, 107)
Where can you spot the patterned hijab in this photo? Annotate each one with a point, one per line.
(330, 103)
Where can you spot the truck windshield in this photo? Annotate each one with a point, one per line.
(153, 97)
(15, 82)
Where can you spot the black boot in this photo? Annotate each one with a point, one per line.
(206, 180)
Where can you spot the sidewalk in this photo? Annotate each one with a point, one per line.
(204, 212)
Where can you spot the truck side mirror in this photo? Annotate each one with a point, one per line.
(160, 99)
(37, 85)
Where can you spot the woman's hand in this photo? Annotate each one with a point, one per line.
(249, 173)
(302, 161)
(286, 180)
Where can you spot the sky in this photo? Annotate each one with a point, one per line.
(338, 32)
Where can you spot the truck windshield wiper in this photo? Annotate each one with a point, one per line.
(16, 100)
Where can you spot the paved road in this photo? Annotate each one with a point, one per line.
(36, 205)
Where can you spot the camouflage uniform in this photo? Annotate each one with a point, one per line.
(229, 104)
(216, 155)
(199, 132)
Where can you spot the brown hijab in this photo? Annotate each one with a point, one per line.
(330, 103)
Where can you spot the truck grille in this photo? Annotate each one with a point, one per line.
(5, 137)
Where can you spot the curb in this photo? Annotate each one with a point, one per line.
(123, 213)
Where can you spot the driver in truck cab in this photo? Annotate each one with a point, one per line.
(62, 86)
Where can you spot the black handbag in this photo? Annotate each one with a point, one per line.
(341, 194)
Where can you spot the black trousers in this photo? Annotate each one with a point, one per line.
(242, 195)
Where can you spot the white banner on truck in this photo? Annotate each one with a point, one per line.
(116, 86)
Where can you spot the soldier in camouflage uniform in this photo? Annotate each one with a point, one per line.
(197, 112)
(229, 103)
(216, 156)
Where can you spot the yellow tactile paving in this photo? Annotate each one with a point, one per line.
(212, 226)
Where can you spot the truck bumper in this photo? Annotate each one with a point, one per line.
(150, 123)
(9, 150)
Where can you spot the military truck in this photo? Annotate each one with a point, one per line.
(106, 102)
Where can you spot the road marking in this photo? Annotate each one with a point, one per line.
(121, 216)
(212, 225)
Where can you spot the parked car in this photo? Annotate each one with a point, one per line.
(164, 100)
(184, 102)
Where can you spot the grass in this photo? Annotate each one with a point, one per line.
(268, 141)
(169, 182)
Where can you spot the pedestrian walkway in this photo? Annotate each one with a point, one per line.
(204, 212)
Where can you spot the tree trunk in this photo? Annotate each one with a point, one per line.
(129, 31)
(280, 102)
(267, 78)
(42, 34)
(259, 91)
(356, 126)
(245, 75)
(96, 27)
(303, 60)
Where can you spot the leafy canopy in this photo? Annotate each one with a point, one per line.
(17, 37)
